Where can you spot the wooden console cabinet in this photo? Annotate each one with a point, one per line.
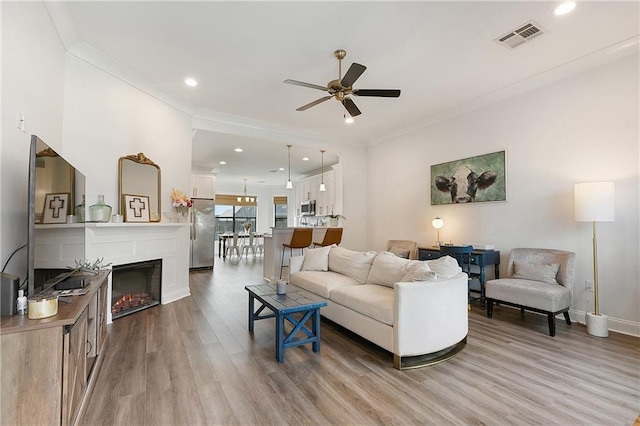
(48, 366)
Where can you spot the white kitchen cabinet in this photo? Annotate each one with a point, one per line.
(203, 186)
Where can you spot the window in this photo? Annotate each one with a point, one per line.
(231, 215)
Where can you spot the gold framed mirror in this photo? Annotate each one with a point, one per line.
(138, 175)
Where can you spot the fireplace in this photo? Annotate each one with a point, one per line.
(135, 286)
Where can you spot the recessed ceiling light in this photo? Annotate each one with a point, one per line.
(223, 162)
(191, 82)
(305, 158)
(281, 169)
(238, 150)
(348, 120)
(564, 8)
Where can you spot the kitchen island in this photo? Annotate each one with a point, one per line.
(273, 250)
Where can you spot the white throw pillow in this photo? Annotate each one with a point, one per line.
(544, 273)
(387, 269)
(354, 264)
(420, 271)
(445, 266)
(316, 259)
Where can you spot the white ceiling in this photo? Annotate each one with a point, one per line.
(442, 55)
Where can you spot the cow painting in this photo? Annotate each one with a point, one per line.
(469, 180)
(464, 183)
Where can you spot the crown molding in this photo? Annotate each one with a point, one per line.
(248, 127)
(578, 65)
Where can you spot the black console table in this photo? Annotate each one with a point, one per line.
(481, 258)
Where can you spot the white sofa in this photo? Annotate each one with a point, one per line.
(396, 303)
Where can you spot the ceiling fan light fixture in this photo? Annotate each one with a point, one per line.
(342, 88)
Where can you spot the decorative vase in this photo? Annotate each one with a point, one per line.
(80, 211)
(100, 212)
(181, 213)
(333, 222)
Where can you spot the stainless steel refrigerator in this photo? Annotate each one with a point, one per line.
(202, 231)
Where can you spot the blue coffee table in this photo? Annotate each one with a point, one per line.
(283, 306)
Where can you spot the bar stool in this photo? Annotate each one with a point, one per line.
(300, 239)
(332, 236)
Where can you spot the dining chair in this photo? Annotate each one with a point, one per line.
(246, 248)
(259, 244)
(233, 247)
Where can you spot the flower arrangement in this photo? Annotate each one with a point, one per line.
(180, 199)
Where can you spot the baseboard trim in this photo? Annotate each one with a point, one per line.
(616, 325)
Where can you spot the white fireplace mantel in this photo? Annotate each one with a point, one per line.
(123, 243)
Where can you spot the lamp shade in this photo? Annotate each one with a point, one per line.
(437, 223)
(595, 202)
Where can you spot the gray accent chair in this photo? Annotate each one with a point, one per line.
(529, 291)
(396, 246)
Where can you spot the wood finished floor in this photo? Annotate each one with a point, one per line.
(193, 362)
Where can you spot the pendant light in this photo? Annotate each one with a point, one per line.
(322, 187)
(289, 184)
(246, 198)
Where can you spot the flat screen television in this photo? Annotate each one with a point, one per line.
(55, 188)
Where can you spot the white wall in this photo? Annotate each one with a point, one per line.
(32, 83)
(87, 115)
(106, 118)
(582, 128)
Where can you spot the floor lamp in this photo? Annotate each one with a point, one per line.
(595, 202)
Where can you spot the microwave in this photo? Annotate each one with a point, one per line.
(308, 208)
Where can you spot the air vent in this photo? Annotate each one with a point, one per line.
(520, 35)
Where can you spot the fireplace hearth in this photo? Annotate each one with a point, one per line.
(135, 286)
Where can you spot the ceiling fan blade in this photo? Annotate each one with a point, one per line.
(303, 84)
(314, 103)
(353, 73)
(383, 93)
(351, 107)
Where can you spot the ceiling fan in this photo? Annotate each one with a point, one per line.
(342, 87)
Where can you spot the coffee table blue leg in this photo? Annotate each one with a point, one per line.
(316, 330)
(280, 337)
(251, 299)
